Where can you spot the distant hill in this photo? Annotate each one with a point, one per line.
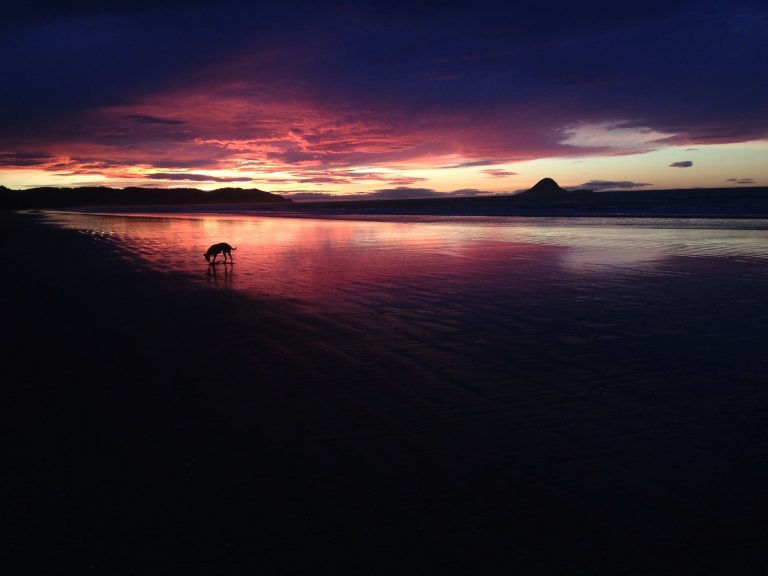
(544, 187)
(51, 197)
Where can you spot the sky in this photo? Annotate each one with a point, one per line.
(309, 99)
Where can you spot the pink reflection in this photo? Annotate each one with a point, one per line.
(361, 265)
(335, 264)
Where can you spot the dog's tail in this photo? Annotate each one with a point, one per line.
(235, 248)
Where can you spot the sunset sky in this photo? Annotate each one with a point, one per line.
(305, 98)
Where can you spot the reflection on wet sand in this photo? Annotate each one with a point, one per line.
(221, 273)
(346, 264)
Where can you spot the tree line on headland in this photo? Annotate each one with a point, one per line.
(53, 197)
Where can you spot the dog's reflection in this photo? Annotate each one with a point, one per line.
(221, 277)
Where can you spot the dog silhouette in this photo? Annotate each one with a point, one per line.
(217, 249)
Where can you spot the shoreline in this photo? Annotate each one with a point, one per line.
(158, 425)
(250, 211)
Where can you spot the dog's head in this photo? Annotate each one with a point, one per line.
(207, 256)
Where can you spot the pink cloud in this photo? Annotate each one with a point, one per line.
(498, 173)
(257, 132)
(233, 129)
(193, 177)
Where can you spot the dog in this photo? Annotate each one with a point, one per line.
(217, 249)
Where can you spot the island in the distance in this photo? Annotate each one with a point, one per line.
(547, 198)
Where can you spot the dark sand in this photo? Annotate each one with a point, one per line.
(159, 427)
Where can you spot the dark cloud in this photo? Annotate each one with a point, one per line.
(144, 119)
(182, 163)
(682, 164)
(24, 159)
(79, 165)
(741, 180)
(599, 185)
(194, 177)
(472, 164)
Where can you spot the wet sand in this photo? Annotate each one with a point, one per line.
(161, 426)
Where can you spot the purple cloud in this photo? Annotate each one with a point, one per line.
(23, 159)
(405, 180)
(182, 163)
(194, 177)
(498, 173)
(683, 164)
(472, 163)
(146, 119)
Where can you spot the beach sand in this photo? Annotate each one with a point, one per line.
(157, 426)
